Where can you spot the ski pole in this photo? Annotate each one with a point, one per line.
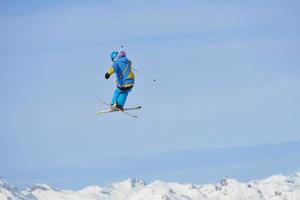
(143, 74)
(153, 79)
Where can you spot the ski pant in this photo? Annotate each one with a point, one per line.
(120, 96)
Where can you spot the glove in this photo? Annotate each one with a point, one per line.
(107, 75)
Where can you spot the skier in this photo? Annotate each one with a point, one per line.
(125, 79)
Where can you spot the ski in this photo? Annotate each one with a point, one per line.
(109, 111)
(116, 110)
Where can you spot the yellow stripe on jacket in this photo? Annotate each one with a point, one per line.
(131, 75)
(111, 70)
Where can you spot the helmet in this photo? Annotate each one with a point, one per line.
(122, 54)
(114, 55)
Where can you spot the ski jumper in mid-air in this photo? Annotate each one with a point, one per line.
(122, 67)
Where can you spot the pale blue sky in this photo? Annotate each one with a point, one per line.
(228, 76)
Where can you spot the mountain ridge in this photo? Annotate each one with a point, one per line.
(276, 187)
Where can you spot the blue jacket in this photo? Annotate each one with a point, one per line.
(123, 70)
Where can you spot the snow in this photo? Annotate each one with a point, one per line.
(277, 187)
(8, 192)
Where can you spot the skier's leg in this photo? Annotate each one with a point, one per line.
(116, 96)
(122, 98)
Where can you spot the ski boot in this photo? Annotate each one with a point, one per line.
(116, 107)
(119, 107)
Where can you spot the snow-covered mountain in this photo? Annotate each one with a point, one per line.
(8, 192)
(277, 187)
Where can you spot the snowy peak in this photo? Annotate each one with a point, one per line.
(279, 187)
(167, 191)
(130, 184)
(4, 184)
(8, 192)
(91, 189)
(43, 187)
(124, 189)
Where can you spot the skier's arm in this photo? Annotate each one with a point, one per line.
(109, 72)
